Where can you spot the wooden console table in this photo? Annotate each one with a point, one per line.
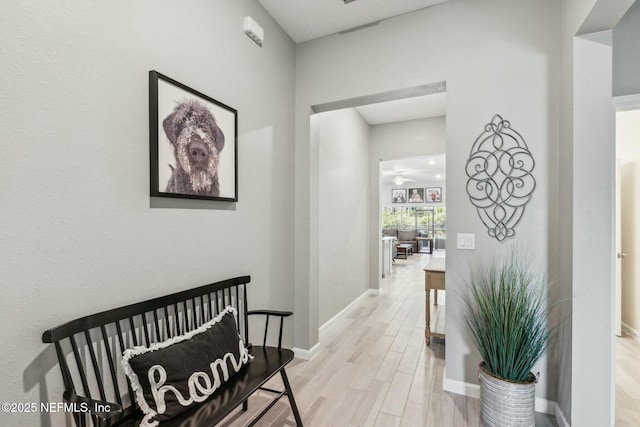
(434, 279)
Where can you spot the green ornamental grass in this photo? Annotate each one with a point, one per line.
(507, 316)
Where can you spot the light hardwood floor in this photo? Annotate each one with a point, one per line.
(374, 368)
(627, 382)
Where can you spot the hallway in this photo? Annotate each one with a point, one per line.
(374, 368)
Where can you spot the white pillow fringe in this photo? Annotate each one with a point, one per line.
(129, 353)
(137, 350)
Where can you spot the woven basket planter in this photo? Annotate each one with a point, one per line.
(504, 403)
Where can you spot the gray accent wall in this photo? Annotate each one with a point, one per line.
(626, 53)
(496, 56)
(78, 232)
(344, 198)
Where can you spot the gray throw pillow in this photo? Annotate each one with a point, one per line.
(390, 232)
(406, 235)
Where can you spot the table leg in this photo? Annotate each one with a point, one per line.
(427, 325)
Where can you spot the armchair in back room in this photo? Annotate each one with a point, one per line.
(409, 237)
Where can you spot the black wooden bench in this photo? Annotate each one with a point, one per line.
(90, 348)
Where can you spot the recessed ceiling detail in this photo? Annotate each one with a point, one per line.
(305, 20)
(401, 110)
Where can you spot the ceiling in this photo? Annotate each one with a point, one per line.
(309, 19)
(305, 20)
(418, 169)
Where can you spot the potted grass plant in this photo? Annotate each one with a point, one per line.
(507, 316)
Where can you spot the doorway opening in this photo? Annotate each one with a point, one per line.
(349, 139)
(627, 289)
(412, 200)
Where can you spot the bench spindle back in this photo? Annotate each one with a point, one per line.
(90, 348)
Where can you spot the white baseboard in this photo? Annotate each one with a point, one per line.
(459, 387)
(546, 406)
(628, 330)
(473, 390)
(560, 418)
(304, 354)
(345, 310)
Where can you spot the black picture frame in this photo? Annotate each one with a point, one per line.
(193, 143)
(433, 194)
(399, 195)
(416, 195)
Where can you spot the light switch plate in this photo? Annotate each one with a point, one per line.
(466, 241)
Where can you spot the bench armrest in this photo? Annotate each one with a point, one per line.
(269, 313)
(101, 409)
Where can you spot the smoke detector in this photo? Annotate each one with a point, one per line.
(253, 30)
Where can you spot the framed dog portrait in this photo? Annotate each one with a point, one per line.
(434, 195)
(193, 143)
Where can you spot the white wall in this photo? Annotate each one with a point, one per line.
(586, 165)
(573, 13)
(497, 56)
(630, 206)
(586, 106)
(344, 209)
(592, 265)
(78, 233)
(628, 151)
(628, 135)
(391, 141)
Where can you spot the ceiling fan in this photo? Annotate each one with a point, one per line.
(399, 179)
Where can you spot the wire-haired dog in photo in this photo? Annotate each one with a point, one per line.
(197, 141)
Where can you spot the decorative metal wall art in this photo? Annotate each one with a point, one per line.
(500, 181)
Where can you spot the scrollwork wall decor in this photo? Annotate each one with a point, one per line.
(500, 182)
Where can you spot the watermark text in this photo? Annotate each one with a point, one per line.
(50, 407)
